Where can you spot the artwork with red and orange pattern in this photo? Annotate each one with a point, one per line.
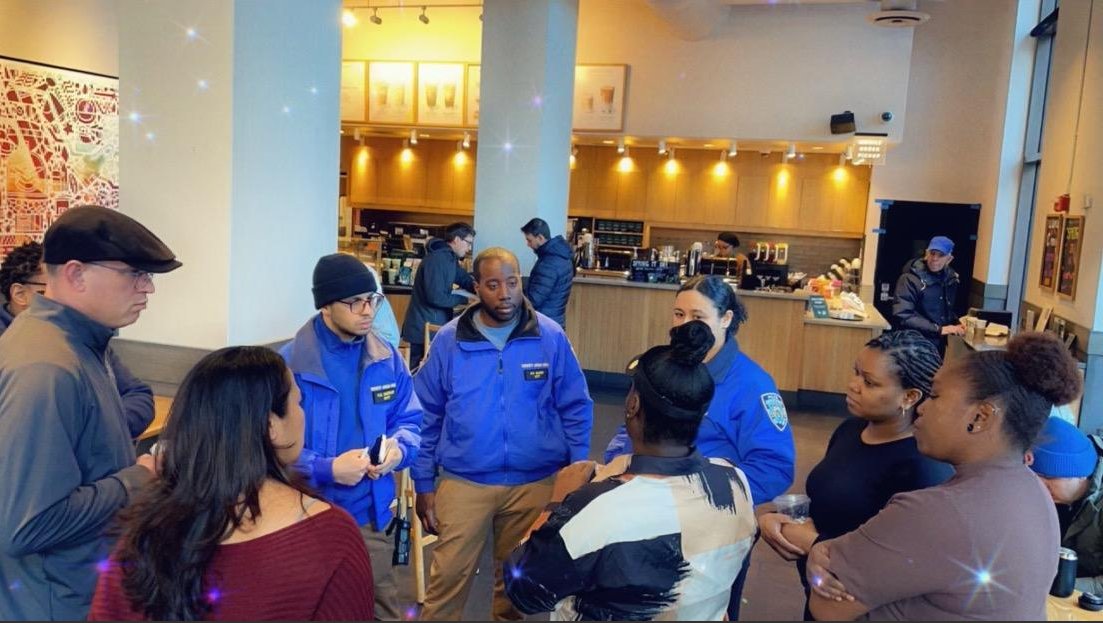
(59, 146)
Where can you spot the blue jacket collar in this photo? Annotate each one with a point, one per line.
(305, 357)
(527, 326)
(667, 466)
(5, 317)
(84, 329)
(719, 365)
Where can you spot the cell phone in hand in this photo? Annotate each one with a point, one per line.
(377, 452)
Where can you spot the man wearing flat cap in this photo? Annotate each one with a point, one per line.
(69, 463)
(356, 388)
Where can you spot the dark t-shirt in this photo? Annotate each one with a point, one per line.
(855, 480)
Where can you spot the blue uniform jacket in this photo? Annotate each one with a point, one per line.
(506, 417)
(746, 424)
(387, 404)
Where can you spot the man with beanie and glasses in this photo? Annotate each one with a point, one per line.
(1069, 464)
(355, 388)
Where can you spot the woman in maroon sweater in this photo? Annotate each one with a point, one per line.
(227, 532)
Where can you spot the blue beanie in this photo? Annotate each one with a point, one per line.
(1062, 451)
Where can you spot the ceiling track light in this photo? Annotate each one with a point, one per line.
(574, 150)
(423, 18)
(791, 152)
(621, 148)
(413, 137)
(375, 19)
(662, 147)
(356, 134)
(466, 142)
(732, 150)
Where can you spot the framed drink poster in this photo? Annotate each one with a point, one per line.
(391, 92)
(440, 96)
(474, 83)
(599, 97)
(1051, 252)
(352, 91)
(1072, 236)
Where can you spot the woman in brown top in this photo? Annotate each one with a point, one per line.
(983, 545)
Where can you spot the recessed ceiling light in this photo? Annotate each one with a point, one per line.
(817, 148)
(607, 142)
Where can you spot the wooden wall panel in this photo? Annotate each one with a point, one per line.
(829, 354)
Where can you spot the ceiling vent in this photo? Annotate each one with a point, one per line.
(898, 14)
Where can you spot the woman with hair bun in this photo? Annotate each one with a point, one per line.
(665, 537)
(984, 544)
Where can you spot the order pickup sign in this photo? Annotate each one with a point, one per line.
(818, 305)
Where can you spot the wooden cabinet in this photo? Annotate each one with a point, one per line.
(428, 177)
(749, 193)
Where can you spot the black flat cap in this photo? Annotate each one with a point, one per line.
(96, 234)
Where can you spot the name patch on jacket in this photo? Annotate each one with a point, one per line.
(383, 393)
(775, 410)
(535, 371)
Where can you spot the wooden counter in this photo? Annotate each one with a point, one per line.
(609, 321)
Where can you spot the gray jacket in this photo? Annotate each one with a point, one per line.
(68, 461)
(137, 396)
(1085, 533)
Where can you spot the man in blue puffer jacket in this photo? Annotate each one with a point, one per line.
(355, 387)
(549, 283)
(506, 406)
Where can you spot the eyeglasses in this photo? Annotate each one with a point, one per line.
(40, 287)
(359, 306)
(139, 278)
(470, 241)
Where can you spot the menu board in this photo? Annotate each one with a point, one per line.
(1071, 241)
(1051, 252)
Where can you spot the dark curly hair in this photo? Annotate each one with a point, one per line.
(722, 296)
(21, 265)
(915, 359)
(1035, 373)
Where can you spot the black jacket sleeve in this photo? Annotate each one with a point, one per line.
(541, 284)
(906, 309)
(137, 396)
(441, 273)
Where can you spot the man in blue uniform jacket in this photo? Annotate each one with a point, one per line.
(506, 406)
(355, 388)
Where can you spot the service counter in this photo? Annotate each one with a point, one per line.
(611, 320)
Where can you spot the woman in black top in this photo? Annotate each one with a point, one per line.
(870, 457)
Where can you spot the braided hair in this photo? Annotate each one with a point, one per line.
(1035, 373)
(915, 360)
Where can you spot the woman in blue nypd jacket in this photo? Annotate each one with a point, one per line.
(746, 422)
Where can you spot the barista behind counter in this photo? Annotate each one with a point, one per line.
(726, 248)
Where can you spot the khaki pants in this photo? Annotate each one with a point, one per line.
(380, 550)
(465, 511)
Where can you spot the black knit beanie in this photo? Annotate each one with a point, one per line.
(338, 276)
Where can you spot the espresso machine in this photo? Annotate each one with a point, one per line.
(693, 259)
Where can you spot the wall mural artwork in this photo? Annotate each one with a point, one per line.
(59, 146)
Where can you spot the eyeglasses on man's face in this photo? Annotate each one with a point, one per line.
(138, 278)
(363, 304)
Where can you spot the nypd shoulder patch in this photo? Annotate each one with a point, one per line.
(775, 410)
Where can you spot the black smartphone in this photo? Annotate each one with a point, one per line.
(378, 450)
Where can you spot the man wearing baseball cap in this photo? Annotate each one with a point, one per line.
(69, 463)
(355, 388)
(1070, 465)
(925, 294)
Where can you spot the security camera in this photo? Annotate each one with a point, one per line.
(886, 116)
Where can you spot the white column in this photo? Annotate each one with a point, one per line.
(528, 59)
(229, 152)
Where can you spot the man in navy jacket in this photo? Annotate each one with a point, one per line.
(506, 406)
(355, 387)
(549, 283)
(432, 299)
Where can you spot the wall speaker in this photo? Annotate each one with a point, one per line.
(842, 123)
